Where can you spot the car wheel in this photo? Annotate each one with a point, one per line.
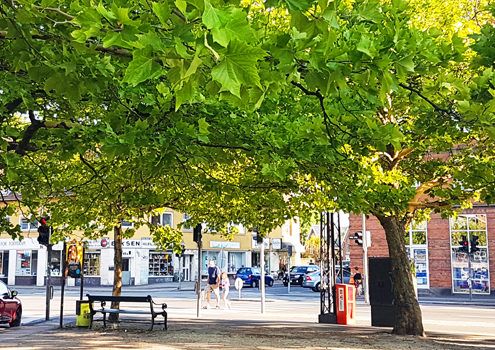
(316, 288)
(270, 283)
(256, 284)
(17, 321)
(285, 284)
(299, 281)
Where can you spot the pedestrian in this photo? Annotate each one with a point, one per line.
(213, 284)
(225, 285)
(358, 281)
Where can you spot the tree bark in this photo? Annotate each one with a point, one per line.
(117, 272)
(408, 314)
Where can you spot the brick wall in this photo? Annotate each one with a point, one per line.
(439, 253)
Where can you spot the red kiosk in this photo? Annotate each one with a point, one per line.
(346, 303)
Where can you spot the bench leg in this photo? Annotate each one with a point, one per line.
(165, 321)
(152, 322)
(91, 321)
(104, 319)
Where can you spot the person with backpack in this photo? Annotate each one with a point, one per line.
(213, 284)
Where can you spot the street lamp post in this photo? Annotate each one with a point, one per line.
(181, 262)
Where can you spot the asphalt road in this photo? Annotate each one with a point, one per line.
(300, 304)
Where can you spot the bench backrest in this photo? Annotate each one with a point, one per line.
(110, 298)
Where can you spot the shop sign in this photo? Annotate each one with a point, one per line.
(225, 245)
(26, 243)
(126, 243)
(276, 243)
(266, 243)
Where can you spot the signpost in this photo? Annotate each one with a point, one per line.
(239, 283)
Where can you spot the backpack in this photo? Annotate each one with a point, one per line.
(213, 278)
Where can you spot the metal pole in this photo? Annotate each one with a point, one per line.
(288, 271)
(48, 281)
(81, 290)
(262, 277)
(340, 249)
(470, 280)
(181, 258)
(364, 277)
(62, 290)
(198, 282)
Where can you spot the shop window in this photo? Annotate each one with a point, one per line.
(417, 249)
(27, 263)
(91, 264)
(160, 264)
(185, 222)
(236, 261)
(55, 263)
(28, 225)
(469, 225)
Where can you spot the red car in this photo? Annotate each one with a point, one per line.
(10, 306)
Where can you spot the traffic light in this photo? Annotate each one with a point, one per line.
(474, 244)
(259, 237)
(289, 250)
(197, 235)
(358, 238)
(44, 231)
(464, 245)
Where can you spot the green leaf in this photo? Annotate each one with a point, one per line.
(408, 63)
(203, 126)
(162, 11)
(298, 5)
(196, 62)
(365, 46)
(213, 18)
(181, 5)
(238, 67)
(141, 68)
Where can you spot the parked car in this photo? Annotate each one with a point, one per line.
(10, 306)
(251, 276)
(313, 280)
(297, 274)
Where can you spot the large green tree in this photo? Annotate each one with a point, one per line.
(353, 101)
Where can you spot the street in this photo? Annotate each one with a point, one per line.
(301, 305)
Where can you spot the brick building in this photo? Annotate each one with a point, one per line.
(433, 246)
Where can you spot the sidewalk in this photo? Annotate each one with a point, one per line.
(225, 333)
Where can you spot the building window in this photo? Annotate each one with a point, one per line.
(55, 262)
(469, 225)
(27, 224)
(164, 219)
(417, 249)
(91, 264)
(27, 263)
(160, 264)
(185, 222)
(2, 272)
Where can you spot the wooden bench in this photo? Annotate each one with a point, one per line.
(105, 310)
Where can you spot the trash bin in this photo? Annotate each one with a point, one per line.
(82, 313)
(346, 303)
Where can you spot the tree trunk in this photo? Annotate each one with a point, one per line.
(408, 317)
(117, 272)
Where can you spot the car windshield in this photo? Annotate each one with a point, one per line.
(298, 269)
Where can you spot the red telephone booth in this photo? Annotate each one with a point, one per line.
(345, 295)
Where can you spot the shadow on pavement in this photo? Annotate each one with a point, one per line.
(195, 334)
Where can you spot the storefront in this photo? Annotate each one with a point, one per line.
(434, 248)
(226, 255)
